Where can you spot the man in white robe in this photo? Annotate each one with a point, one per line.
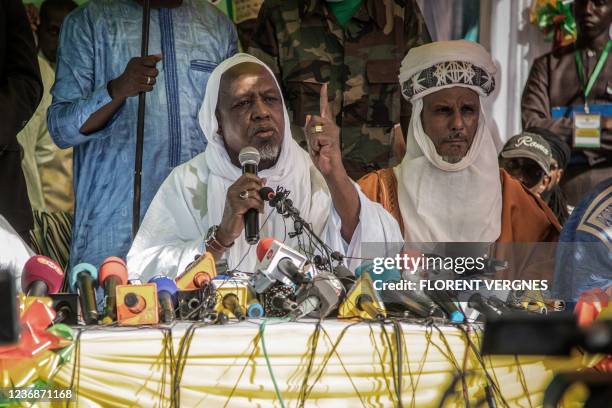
(14, 252)
(201, 204)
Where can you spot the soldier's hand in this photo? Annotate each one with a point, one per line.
(241, 197)
(139, 76)
(323, 137)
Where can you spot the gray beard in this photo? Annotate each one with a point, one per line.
(268, 152)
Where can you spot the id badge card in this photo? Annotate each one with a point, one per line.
(587, 130)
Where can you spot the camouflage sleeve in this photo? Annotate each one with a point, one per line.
(415, 34)
(415, 29)
(263, 43)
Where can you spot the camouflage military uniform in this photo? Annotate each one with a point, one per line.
(305, 46)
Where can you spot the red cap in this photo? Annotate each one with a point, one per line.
(263, 246)
(113, 266)
(42, 268)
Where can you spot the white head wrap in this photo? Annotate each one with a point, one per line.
(293, 170)
(440, 201)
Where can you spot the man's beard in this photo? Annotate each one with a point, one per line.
(268, 153)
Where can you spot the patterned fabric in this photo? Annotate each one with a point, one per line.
(584, 254)
(96, 42)
(305, 46)
(51, 236)
(449, 73)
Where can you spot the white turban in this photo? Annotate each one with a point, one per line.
(441, 201)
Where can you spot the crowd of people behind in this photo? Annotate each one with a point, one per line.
(379, 133)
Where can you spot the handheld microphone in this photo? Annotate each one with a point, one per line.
(166, 295)
(249, 159)
(41, 276)
(83, 280)
(113, 272)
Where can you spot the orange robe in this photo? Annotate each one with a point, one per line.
(525, 219)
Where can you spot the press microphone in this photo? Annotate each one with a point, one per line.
(320, 297)
(83, 281)
(249, 159)
(113, 272)
(277, 262)
(345, 276)
(288, 268)
(266, 194)
(198, 274)
(283, 303)
(166, 295)
(363, 301)
(255, 309)
(232, 303)
(41, 276)
(443, 299)
(135, 303)
(487, 308)
(413, 301)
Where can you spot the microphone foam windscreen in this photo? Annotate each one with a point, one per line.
(263, 246)
(248, 155)
(41, 268)
(113, 266)
(82, 267)
(164, 284)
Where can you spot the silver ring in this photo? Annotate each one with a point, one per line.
(244, 194)
(148, 80)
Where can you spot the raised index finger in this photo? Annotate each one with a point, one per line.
(324, 103)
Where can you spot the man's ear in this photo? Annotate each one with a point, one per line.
(560, 172)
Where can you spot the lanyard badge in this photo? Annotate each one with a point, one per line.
(587, 126)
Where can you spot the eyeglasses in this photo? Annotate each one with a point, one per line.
(528, 171)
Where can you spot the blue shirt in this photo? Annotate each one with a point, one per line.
(96, 42)
(584, 252)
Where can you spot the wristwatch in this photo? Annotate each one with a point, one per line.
(212, 242)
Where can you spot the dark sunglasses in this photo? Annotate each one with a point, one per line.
(528, 170)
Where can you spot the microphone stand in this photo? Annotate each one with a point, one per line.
(144, 51)
(285, 207)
